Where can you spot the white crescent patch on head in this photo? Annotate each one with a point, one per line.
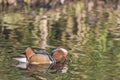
(64, 50)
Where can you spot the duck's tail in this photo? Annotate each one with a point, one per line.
(29, 53)
(23, 59)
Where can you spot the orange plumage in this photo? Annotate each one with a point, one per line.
(36, 58)
(43, 58)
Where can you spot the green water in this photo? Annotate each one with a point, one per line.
(92, 39)
(80, 66)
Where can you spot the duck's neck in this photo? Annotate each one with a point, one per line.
(52, 59)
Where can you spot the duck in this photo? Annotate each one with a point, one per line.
(39, 57)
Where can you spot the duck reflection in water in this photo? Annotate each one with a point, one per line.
(60, 67)
(41, 61)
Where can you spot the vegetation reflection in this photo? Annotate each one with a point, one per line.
(89, 29)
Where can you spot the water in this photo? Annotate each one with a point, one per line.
(84, 66)
(91, 39)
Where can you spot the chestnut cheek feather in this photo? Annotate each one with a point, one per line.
(65, 56)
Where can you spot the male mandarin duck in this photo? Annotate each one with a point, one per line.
(36, 57)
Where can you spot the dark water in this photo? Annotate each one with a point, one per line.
(92, 41)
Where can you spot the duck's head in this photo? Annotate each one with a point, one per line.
(59, 54)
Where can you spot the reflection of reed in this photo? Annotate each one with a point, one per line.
(43, 31)
(33, 3)
(1, 29)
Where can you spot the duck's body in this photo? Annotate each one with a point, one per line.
(36, 57)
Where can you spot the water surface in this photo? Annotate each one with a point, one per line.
(91, 37)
